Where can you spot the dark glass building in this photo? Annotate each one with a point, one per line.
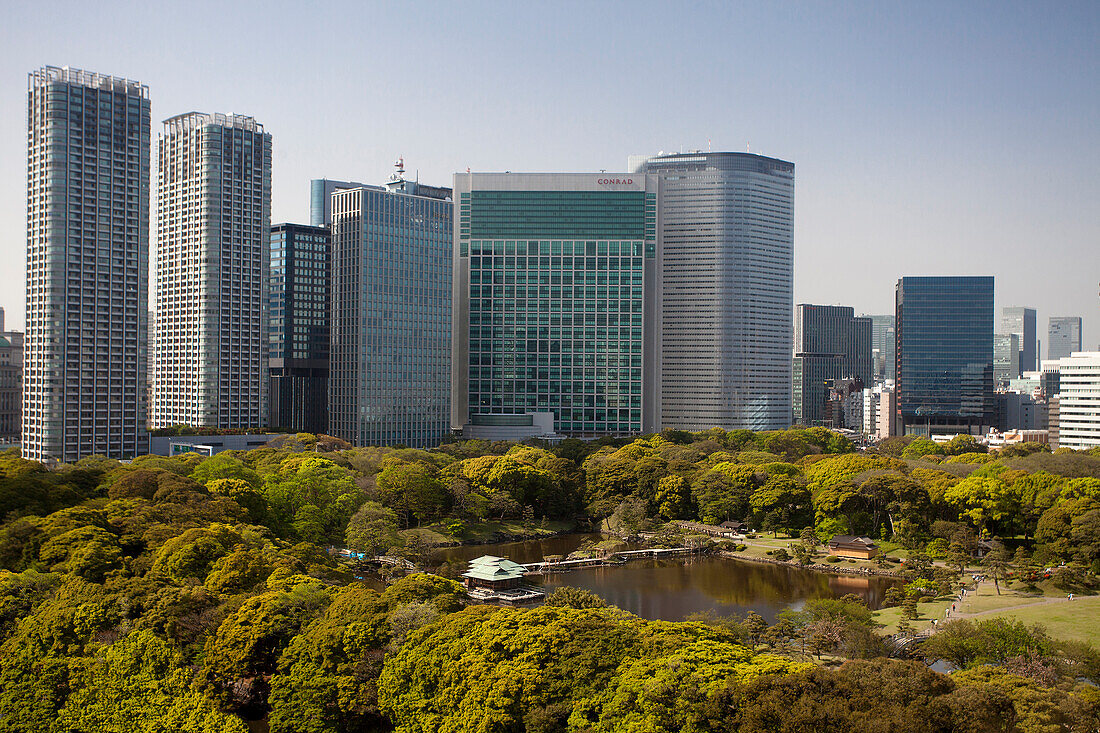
(299, 292)
(945, 354)
(831, 343)
(1021, 321)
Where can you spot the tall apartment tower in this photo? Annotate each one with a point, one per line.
(830, 343)
(299, 294)
(213, 237)
(1063, 336)
(945, 355)
(1021, 321)
(389, 360)
(725, 292)
(554, 277)
(87, 265)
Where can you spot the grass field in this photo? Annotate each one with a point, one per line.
(1077, 620)
(479, 532)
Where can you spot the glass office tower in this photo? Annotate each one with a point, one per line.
(87, 265)
(945, 354)
(1006, 359)
(213, 235)
(883, 346)
(830, 343)
(1021, 321)
(554, 308)
(725, 292)
(389, 360)
(320, 199)
(1063, 336)
(299, 292)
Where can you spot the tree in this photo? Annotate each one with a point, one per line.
(372, 529)
(996, 563)
(673, 497)
(569, 597)
(782, 498)
(411, 490)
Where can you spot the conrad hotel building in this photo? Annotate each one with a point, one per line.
(554, 308)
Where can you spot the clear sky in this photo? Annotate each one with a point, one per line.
(928, 138)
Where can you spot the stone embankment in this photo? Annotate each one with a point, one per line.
(819, 567)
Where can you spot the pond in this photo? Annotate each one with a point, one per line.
(675, 588)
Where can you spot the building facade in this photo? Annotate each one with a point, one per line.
(213, 237)
(299, 293)
(1006, 358)
(87, 265)
(830, 344)
(1079, 401)
(11, 384)
(320, 199)
(1063, 336)
(1021, 321)
(389, 361)
(724, 289)
(883, 348)
(945, 354)
(554, 276)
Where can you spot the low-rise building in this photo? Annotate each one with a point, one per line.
(494, 573)
(844, 545)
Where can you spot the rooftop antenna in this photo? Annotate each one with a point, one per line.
(399, 168)
(708, 145)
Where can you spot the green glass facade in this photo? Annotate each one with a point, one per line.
(555, 288)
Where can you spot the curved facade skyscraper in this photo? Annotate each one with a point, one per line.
(725, 279)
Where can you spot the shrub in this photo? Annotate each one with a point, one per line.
(832, 558)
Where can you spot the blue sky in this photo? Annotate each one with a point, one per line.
(928, 138)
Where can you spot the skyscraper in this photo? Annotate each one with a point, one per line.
(1006, 358)
(87, 265)
(725, 289)
(945, 354)
(1063, 336)
(830, 344)
(554, 308)
(213, 235)
(320, 199)
(389, 363)
(882, 345)
(299, 294)
(1021, 321)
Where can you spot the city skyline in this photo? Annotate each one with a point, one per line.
(923, 146)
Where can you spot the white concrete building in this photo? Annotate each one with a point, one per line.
(87, 265)
(213, 238)
(1079, 401)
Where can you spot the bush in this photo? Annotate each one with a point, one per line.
(832, 558)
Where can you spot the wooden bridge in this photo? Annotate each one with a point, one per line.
(391, 560)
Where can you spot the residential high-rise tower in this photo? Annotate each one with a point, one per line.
(213, 235)
(724, 289)
(87, 265)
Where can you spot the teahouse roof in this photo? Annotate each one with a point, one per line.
(488, 567)
(847, 539)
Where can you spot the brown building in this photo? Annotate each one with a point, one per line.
(846, 545)
(11, 384)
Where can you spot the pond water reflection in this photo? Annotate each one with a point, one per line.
(675, 588)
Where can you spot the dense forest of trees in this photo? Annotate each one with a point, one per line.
(194, 594)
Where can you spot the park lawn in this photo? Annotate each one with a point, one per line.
(985, 598)
(888, 618)
(487, 531)
(1077, 620)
